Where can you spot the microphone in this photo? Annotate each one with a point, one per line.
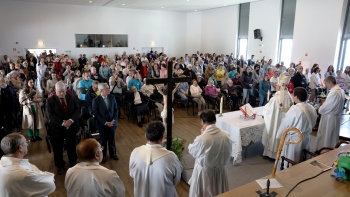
(29, 96)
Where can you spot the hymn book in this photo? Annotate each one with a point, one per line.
(248, 111)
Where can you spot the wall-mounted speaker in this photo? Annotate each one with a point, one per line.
(257, 34)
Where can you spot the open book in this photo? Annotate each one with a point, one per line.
(247, 110)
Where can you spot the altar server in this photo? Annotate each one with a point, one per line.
(17, 176)
(212, 151)
(155, 170)
(274, 111)
(88, 178)
(302, 116)
(331, 110)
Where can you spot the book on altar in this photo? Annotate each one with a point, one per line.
(247, 110)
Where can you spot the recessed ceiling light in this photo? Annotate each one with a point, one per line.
(188, 0)
(162, 7)
(195, 10)
(123, 4)
(90, 1)
(225, 5)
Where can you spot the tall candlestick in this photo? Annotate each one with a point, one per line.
(221, 103)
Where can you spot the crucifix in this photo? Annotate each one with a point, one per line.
(170, 80)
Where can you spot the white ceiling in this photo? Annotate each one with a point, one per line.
(166, 5)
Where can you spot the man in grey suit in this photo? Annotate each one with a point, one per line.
(105, 110)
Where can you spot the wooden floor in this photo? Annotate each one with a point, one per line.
(128, 136)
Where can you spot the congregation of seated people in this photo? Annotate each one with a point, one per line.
(27, 84)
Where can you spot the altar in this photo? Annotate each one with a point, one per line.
(241, 131)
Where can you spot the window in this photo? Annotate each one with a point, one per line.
(286, 31)
(286, 46)
(101, 40)
(344, 52)
(242, 47)
(243, 27)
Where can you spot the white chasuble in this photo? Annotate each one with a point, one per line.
(212, 151)
(155, 170)
(331, 110)
(303, 117)
(274, 111)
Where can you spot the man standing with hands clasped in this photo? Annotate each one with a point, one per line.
(331, 110)
(62, 111)
(212, 151)
(105, 110)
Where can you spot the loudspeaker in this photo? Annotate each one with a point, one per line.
(257, 34)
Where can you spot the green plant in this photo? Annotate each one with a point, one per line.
(178, 146)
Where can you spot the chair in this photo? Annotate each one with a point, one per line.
(254, 96)
(83, 118)
(239, 89)
(322, 150)
(289, 162)
(131, 109)
(91, 128)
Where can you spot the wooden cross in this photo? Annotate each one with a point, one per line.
(170, 80)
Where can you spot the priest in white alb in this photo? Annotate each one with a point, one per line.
(302, 116)
(331, 110)
(155, 170)
(274, 111)
(212, 151)
(88, 178)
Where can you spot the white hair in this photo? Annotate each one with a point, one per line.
(102, 86)
(60, 86)
(230, 81)
(12, 73)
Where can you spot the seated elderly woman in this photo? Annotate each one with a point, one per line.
(138, 101)
(196, 93)
(230, 90)
(212, 93)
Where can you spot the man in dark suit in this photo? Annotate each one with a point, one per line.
(105, 110)
(62, 111)
(299, 79)
(7, 106)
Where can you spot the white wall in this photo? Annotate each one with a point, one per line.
(264, 15)
(55, 25)
(316, 31)
(219, 30)
(193, 32)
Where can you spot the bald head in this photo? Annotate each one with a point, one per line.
(61, 89)
(88, 150)
(300, 69)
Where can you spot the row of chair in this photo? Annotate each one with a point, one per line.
(308, 155)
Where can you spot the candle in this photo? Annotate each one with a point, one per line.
(268, 95)
(221, 103)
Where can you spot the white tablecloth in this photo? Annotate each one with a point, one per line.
(241, 131)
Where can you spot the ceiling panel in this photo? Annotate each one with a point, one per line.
(166, 5)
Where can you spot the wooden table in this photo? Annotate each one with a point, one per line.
(323, 185)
